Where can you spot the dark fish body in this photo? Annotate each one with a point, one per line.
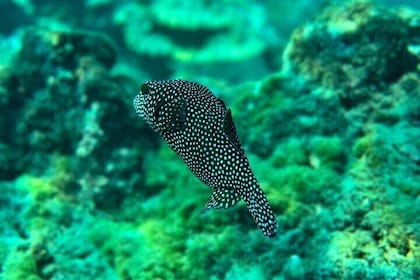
(198, 126)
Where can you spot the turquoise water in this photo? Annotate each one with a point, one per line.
(325, 97)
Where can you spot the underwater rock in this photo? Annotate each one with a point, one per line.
(353, 49)
(279, 107)
(350, 65)
(65, 102)
(48, 58)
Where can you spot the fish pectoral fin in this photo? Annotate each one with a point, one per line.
(230, 131)
(221, 198)
(171, 116)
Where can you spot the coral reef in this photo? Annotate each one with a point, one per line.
(89, 192)
(66, 102)
(194, 32)
(353, 49)
(196, 38)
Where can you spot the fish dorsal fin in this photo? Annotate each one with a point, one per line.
(230, 131)
(171, 116)
(222, 198)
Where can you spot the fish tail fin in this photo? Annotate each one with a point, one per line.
(260, 210)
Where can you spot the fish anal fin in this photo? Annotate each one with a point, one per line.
(171, 116)
(222, 198)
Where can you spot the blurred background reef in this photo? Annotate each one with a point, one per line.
(326, 98)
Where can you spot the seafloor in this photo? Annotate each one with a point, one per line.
(326, 99)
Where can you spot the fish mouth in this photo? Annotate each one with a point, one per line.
(140, 106)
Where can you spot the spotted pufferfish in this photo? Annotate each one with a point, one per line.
(198, 127)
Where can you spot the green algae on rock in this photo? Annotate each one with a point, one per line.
(353, 49)
(64, 101)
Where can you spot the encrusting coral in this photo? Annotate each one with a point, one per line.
(195, 32)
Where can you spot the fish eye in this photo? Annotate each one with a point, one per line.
(144, 89)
